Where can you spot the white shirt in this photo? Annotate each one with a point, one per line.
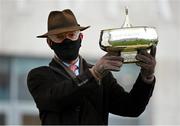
(77, 64)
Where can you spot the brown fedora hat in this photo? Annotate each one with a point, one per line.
(61, 22)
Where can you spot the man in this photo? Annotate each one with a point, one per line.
(71, 91)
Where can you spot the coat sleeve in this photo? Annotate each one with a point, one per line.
(51, 95)
(131, 103)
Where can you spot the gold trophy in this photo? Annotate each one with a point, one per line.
(127, 40)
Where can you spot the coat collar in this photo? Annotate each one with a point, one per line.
(62, 69)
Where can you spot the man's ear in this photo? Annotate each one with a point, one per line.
(49, 42)
(81, 36)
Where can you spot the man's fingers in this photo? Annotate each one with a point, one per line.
(143, 65)
(144, 52)
(143, 58)
(115, 63)
(113, 68)
(153, 51)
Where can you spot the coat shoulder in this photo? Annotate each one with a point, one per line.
(37, 76)
(42, 70)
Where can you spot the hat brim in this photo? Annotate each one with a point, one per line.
(62, 30)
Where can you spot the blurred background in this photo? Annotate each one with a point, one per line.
(20, 51)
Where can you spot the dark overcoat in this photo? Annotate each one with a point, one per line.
(62, 99)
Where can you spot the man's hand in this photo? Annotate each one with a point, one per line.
(105, 64)
(147, 63)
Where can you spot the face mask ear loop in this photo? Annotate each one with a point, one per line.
(81, 36)
(50, 42)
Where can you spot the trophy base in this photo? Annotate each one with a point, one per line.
(129, 57)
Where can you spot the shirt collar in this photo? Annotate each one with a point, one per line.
(67, 64)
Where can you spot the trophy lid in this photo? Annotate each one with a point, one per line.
(126, 22)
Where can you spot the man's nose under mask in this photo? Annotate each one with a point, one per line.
(68, 50)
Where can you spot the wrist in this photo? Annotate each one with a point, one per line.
(148, 79)
(95, 74)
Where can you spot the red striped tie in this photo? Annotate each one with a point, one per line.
(73, 67)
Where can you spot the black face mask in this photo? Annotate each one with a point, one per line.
(68, 50)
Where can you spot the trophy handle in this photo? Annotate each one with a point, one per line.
(100, 40)
(115, 53)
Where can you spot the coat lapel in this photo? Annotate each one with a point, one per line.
(60, 68)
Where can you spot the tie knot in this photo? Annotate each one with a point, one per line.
(73, 67)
